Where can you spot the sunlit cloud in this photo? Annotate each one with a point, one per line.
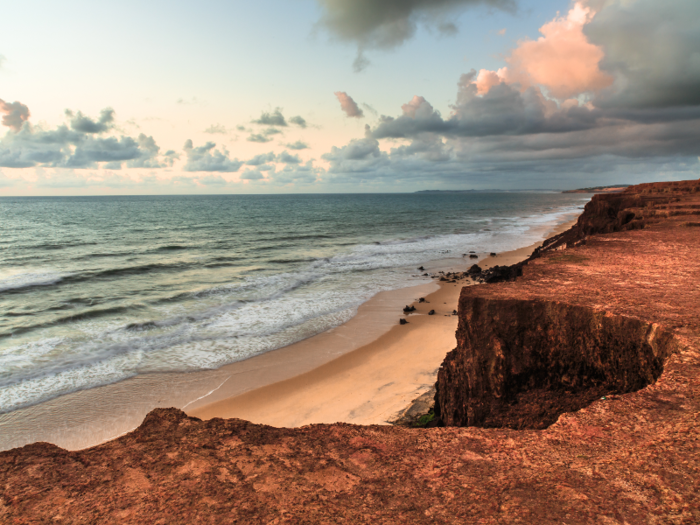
(14, 114)
(562, 60)
(348, 105)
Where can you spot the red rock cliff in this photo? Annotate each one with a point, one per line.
(530, 351)
(611, 313)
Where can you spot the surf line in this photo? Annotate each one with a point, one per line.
(206, 395)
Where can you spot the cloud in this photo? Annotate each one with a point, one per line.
(83, 124)
(358, 156)
(298, 145)
(274, 118)
(370, 109)
(288, 158)
(206, 158)
(15, 113)
(295, 174)
(389, 23)
(651, 50)
(348, 105)
(261, 159)
(258, 137)
(264, 136)
(299, 121)
(618, 106)
(217, 129)
(562, 60)
(78, 146)
(252, 175)
(386, 24)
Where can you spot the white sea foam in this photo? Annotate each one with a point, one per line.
(15, 279)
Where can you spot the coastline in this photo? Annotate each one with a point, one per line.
(89, 417)
(373, 383)
(620, 446)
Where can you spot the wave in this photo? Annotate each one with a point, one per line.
(129, 270)
(82, 316)
(170, 248)
(30, 280)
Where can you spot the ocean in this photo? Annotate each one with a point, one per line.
(95, 290)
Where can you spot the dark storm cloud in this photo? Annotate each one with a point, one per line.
(648, 119)
(206, 158)
(504, 110)
(389, 23)
(385, 24)
(509, 113)
(652, 49)
(15, 114)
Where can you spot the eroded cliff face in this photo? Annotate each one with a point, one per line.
(522, 363)
(554, 342)
(635, 208)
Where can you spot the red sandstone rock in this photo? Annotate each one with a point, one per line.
(631, 458)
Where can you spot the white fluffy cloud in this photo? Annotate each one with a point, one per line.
(82, 145)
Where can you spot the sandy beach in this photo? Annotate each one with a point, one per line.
(367, 370)
(372, 384)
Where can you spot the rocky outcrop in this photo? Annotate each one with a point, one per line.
(562, 335)
(633, 209)
(598, 343)
(522, 363)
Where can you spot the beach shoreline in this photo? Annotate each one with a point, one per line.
(90, 417)
(372, 383)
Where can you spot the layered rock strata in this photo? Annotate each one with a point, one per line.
(610, 310)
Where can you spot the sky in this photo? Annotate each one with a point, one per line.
(329, 96)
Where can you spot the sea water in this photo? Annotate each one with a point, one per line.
(94, 290)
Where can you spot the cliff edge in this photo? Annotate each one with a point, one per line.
(573, 396)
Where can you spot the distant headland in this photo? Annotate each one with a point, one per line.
(614, 188)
